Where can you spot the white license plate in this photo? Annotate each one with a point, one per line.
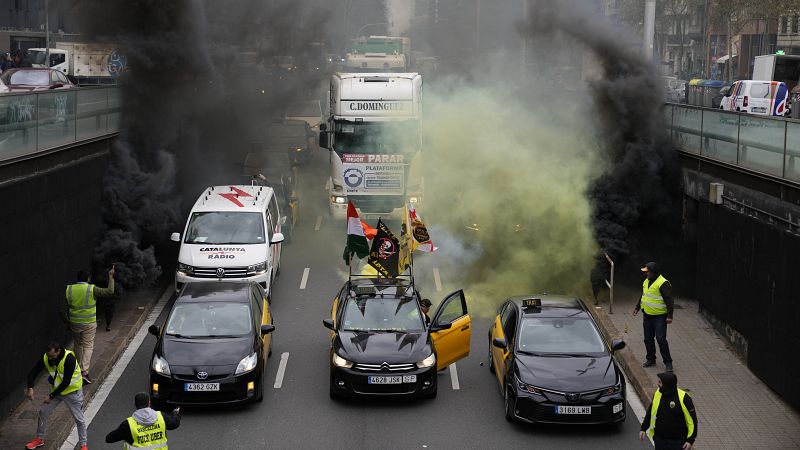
(616, 408)
(759, 110)
(392, 379)
(573, 409)
(201, 387)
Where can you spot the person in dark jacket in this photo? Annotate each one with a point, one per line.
(20, 60)
(147, 419)
(671, 419)
(657, 306)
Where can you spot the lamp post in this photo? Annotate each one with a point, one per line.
(46, 33)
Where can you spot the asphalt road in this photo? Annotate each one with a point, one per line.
(299, 414)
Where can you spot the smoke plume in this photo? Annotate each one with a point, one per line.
(398, 15)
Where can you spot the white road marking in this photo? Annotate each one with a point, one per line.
(319, 222)
(304, 280)
(454, 377)
(437, 279)
(117, 370)
(281, 370)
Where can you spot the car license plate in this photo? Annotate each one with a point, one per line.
(201, 387)
(573, 409)
(757, 109)
(392, 379)
(616, 408)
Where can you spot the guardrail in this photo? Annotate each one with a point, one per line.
(36, 122)
(763, 144)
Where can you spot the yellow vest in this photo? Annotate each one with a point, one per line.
(57, 373)
(82, 304)
(148, 436)
(652, 301)
(654, 412)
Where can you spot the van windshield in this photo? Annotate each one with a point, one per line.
(224, 227)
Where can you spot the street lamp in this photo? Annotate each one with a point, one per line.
(370, 25)
(46, 33)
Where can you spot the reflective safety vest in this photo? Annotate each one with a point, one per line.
(652, 301)
(57, 373)
(148, 436)
(82, 304)
(654, 412)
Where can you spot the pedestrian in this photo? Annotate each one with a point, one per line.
(5, 62)
(146, 427)
(65, 376)
(671, 419)
(20, 60)
(82, 315)
(656, 305)
(425, 304)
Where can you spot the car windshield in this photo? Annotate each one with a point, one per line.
(305, 109)
(377, 137)
(560, 335)
(221, 227)
(28, 77)
(366, 313)
(209, 320)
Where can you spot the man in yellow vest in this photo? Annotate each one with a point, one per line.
(146, 428)
(656, 305)
(671, 419)
(82, 314)
(65, 376)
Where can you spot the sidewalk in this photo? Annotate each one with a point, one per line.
(20, 426)
(735, 409)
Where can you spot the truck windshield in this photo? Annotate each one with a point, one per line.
(222, 227)
(397, 137)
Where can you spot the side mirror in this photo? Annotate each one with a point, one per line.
(267, 329)
(277, 238)
(175, 237)
(442, 326)
(328, 323)
(323, 126)
(617, 344)
(154, 330)
(500, 343)
(323, 139)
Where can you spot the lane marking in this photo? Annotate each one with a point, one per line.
(304, 280)
(281, 370)
(437, 279)
(454, 377)
(319, 222)
(117, 370)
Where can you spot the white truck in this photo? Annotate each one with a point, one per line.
(83, 63)
(784, 68)
(379, 54)
(374, 136)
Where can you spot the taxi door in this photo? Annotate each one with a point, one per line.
(503, 328)
(450, 330)
(260, 298)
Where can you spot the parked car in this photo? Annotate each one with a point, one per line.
(766, 98)
(35, 79)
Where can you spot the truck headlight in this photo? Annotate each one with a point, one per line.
(427, 362)
(413, 199)
(257, 269)
(338, 361)
(160, 365)
(338, 199)
(185, 269)
(247, 364)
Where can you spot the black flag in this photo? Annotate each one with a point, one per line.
(383, 255)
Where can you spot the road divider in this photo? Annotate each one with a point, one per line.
(454, 377)
(304, 280)
(281, 370)
(437, 279)
(318, 224)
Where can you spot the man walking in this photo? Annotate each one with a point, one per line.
(82, 315)
(656, 305)
(65, 376)
(146, 428)
(671, 419)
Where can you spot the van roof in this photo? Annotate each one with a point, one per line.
(233, 198)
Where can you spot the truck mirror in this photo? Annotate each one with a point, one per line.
(323, 139)
(323, 127)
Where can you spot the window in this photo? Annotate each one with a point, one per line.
(560, 335)
(452, 311)
(794, 24)
(759, 90)
(784, 24)
(210, 320)
(273, 212)
(225, 228)
(57, 58)
(510, 324)
(382, 314)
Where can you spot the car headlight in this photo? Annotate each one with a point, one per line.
(427, 362)
(340, 199)
(338, 361)
(615, 389)
(298, 149)
(160, 365)
(257, 269)
(185, 269)
(247, 364)
(528, 388)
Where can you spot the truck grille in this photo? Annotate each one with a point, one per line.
(212, 272)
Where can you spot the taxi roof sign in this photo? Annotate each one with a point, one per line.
(532, 303)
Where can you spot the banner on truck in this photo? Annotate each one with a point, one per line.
(373, 174)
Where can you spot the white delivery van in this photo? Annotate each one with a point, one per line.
(767, 98)
(234, 234)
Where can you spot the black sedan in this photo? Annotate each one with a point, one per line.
(213, 347)
(552, 363)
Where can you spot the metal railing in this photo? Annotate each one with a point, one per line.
(36, 122)
(762, 144)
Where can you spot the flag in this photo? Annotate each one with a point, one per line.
(384, 252)
(404, 256)
(369, 232)
(356, 240)
(420, 240)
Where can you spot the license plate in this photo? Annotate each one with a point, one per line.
(759, 110)
(201, 387)
(616, 408)
(392, 379)
(573, 409)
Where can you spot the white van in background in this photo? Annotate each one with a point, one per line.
(234, 234)
(769, 98)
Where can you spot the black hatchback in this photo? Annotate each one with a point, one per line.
(213, 347)
(552, 363)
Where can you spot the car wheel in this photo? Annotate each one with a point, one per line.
(509, 406)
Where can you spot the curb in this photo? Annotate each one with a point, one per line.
(637, 377)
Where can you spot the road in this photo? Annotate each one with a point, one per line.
(299, 414)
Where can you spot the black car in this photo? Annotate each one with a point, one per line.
(294, 137)
(381, 344)
(213, 347)
(553, 364)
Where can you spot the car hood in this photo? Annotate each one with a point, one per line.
(571, 374)
(205, 352)
(234, 255)
(377, 347)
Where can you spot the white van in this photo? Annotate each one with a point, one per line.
(768, 98)
(233, 233)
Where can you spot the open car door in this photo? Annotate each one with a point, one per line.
(451, 329)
